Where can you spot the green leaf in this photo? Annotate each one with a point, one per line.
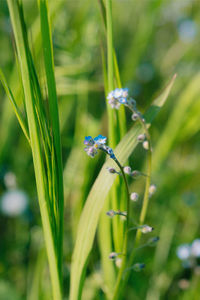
(23, 50)
(15, 107)
(54, 116)
(95, 201)
(176, 122)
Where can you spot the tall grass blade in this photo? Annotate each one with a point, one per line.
(54, 117)
(175, 122)
(17, 19)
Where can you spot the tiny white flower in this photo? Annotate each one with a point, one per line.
(14, 203)
(145, 145)
(146, 229)
(118, 262)
(127, 170)
(195, 248)
(183, 251)
(113, 255)
(152, 189)
(134, 197)
(10, 180)
(141, 138)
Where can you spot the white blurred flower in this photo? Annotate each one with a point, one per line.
(183, 251)
(134, 197)
(118, 262)
(14, 202)
(146, 229)
(145, 145)
(152, 189)
(10, 180)
(195, 248)
(127, 170)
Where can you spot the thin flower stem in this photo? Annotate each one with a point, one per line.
(125, 244)
(143, 211)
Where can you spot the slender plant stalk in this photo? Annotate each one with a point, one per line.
(111, 121)
(15, 10)
(119, 291)
(125, 242)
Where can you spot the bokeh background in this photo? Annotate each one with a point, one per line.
(153, 40)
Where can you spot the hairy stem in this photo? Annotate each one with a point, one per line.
(125, 243)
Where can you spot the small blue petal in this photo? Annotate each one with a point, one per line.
(89, 141)
(123, 100)
(110, 152)
(100, 139)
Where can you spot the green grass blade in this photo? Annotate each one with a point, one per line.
(15, 107)
(16, 14)
(175, 122)
(53, 108)
(95, 202)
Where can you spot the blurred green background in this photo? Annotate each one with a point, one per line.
(153, 40)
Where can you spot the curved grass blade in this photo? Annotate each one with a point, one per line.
(15, 107)
(95, 201)
(176, 122)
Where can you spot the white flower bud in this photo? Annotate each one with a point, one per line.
(127, 170)
(113, 255)
(135, 173)
(111, 213)
(118, 262)
(111, 170)
(134, 197)
(134, 116)
(152, 189)
(141, 138)
(145, 145)
(10, 180)
(146, 229)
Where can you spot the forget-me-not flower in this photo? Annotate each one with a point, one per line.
(99, 142)
(118, 97)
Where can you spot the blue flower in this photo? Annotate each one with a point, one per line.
(89, 141)
(91, 151)
(110, 152)
(100, 139)
(97, 143)
(118, 97)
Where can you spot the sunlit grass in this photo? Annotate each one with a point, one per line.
(45, 113)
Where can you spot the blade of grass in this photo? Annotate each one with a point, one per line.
(175, 122)
(7, 120)
(16, 15)
(15, 107)
(54, 116)
(105, 226)
(95, 201)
